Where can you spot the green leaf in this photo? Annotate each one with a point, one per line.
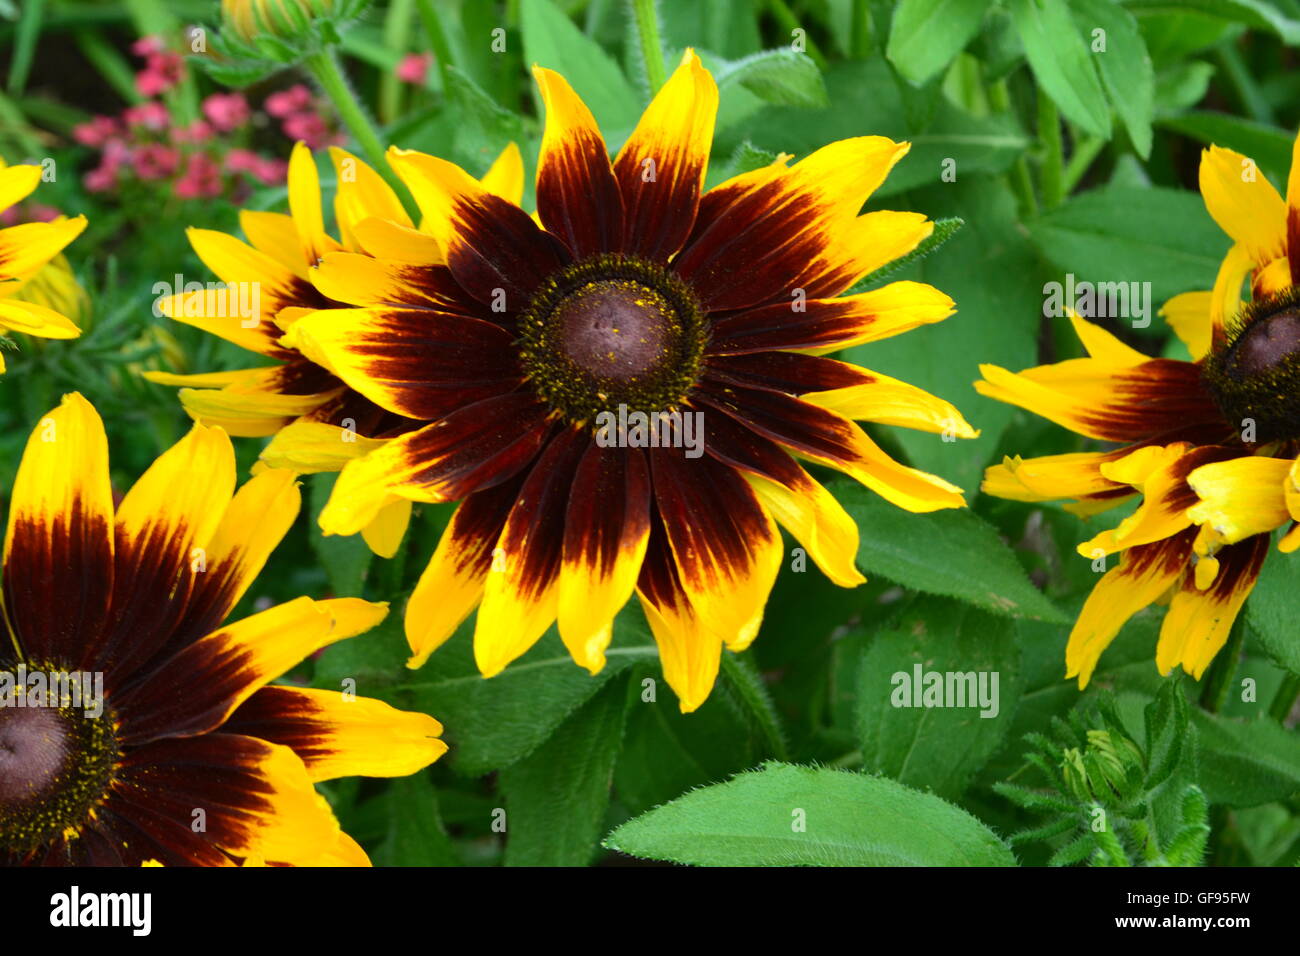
(666, 752)
(1127, 234)
(867, 100)
(556, 798)
(1245, 764)
(952, 553)
(925, 35)
(784, 815)
(1270, 609)
(1125, 66)
(782, 76)
(415, 832)
(345, 559)
(493, 723)
(1061, 62)
(937, 748)
(552, 40)
(1254, 13)
(1267, 145)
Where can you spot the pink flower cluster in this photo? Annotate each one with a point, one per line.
(302, 118)
(204, 158)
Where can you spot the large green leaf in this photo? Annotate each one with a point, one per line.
(953, 553)
(1254, 13)
(1268, 146)
(416, 836)
(552, 40)
(781, 76)
(1247, 763)
(1125, 234)
(785, 815)
(925, 35)
(1270, 609)
(1125, 66)
(557, 796)
(937, 748)
(1061, 62)
(492, 723)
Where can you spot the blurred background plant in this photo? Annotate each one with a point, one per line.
(1048, 136)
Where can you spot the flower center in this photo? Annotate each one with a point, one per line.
(611, 331)
(1255, 379)
(56, 759)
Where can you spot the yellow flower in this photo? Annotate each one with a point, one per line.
(24, 250)
(328, 423)
(1209, 444)
(536, 355)
(167, 742)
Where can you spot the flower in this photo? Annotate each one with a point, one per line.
(226, 111)
(1209, 444)
(24, 250)
(166, 741)
(331, 422)
(526, 348)
(414, 67)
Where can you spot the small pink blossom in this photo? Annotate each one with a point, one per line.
(284, 103)
(144, 46)
(155, 161)
(226, 111)
(200, 131)
(95, 132)
(162, 71)
(151, 115)
(272, 172)
(201, 180)
(309, 128)
(100, 179)
(414, 68)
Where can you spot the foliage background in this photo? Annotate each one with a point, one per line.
(1066, 160)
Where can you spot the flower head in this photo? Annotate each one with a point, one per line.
(24, 250)
(1209, 445)
(534, 358)
(166, 741)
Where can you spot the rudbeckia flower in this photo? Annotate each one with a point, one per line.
(136, 726)
(1210, 445)
(552, 361)
(266, 289)
(24, 250)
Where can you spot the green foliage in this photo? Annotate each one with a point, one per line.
(784, 815)
(1047, 137)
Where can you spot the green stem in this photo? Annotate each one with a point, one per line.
(437, 39)
(1085, 151)
(789, 23)
(1219, 680)
(1284, 701)
(1049, 134)
(748, 684)
(324, 66)
(652, 51)
(863, 41)
(1022, 185)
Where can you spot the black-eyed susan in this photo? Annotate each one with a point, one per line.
(134, 725)
(544, 355)
(321, 423)
(24, 251)
(1210, 444)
